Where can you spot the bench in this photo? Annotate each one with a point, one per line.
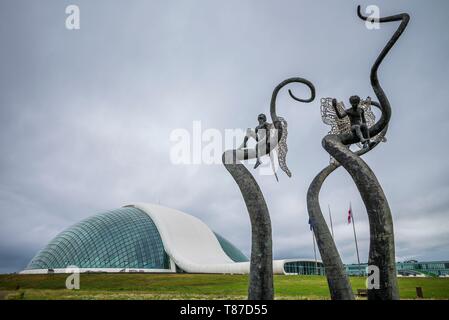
(362, 292)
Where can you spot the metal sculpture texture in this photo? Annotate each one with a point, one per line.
(265, 132)
(261, 265)
(343, 125)
(337, 143)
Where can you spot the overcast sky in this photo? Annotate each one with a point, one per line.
(86, 115)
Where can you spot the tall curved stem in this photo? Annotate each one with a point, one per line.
(337, 279)
(382, 251)
(261, 264)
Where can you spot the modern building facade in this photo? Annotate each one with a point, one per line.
(407, 268)
(303, 267)
(149, 238)
(428, 268)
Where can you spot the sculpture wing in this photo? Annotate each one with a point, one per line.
(329, 117)
(273, 167)
(282, 148)
(369, 114)
(371, 119)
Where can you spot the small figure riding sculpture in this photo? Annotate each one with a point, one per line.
(357, 119)
(263, 134)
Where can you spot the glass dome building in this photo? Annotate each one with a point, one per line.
(144, 238)
(122, 238)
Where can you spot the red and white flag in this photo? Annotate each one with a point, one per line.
(349, 214)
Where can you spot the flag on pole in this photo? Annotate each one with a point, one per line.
(351, 219)
(349, 214)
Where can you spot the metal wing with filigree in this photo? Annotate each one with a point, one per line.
(339, 126)
(282, 148)
(329, 117)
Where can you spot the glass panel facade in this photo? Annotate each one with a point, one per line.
(406, 268)
(304, 267)
(231, 251)
(435, 268)
(356, 269)
(121, 238)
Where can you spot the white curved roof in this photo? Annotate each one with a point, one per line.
(193, 246)
(190, 243)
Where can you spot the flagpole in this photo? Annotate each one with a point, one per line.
(355, 235)
(314, 252)
(330, 218)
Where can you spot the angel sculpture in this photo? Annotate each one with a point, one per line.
(359, 118)
(265, 134)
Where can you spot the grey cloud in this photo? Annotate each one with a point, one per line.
(86, 115)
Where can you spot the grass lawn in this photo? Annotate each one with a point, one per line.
(190, 286)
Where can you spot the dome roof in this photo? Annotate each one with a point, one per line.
(121, 238)
(144, 236)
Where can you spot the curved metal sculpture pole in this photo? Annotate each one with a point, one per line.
(338, 281)
(381, 252)
(261, 265)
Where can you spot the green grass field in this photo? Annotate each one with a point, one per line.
(190, 286)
